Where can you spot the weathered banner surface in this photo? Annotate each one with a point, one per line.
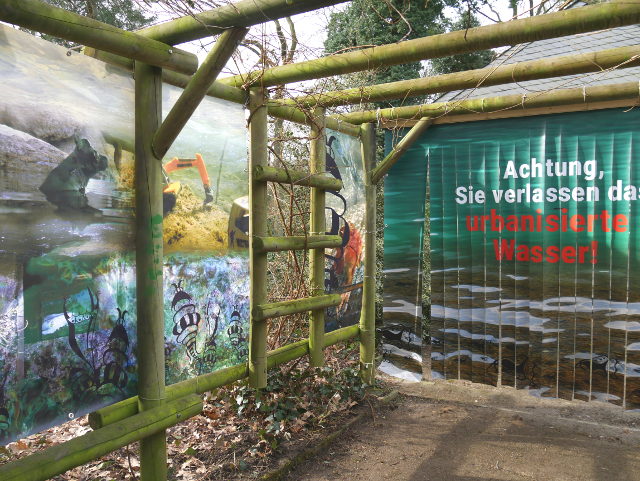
(535, 224)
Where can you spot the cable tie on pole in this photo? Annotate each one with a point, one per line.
(584, 93)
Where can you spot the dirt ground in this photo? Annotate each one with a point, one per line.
(459, 431)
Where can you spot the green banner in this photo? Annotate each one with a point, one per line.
(533, 262)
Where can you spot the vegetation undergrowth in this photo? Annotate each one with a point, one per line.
(240, 430)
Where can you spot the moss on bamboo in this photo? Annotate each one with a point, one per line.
(622, 57)
(244, 13)
(287, 176)
(560, 97)
(565, 22)
(45, 18)
(222, 377)
(262, 312)
(291, 243)
(368, 311)
(196, 89)
(62, 457)
(258, 156)
(317, 225)
(407, 141)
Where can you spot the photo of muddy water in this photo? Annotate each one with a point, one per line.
(560, 329)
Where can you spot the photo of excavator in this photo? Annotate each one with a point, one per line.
(172, 189)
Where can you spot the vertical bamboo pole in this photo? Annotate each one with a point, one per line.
(258, 156)
(148, 183)
(317, 224)
(368, 312)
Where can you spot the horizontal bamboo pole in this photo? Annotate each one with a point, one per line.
(217, 90)
(292, 243)
(407, 141)
(622, 57)
(196, 90)
(244, 13)
(267, 173)
(600, 93)
(227, 92)
(301, 348)
(62, 457)
(195, 385)
(42, 17)
(558, 24)
(299, 116)
(294, 306)
(222, 377)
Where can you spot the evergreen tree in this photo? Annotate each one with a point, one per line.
(366, 23)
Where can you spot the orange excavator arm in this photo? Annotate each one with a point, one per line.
(177, 164)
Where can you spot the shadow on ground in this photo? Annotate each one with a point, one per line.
(460, 431)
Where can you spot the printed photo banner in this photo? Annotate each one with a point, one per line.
(67, 272)
(344, 271)
(534, 228)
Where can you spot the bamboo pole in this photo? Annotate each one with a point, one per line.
(392, 157)
(196, 90)
(299, 116)
(574, 96)
(239, 14)
(262, 312)
(288, 176)
(227, 92)
(60, 458)
(317, 225)
(368, 312)
(558, 24)
(150, 312)
(622, 57)
(217, 89)
(42, 17)
(222, 377)
(292, 243)
(258, 156)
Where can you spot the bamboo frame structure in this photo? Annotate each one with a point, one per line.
(368, 311)
(627, 92)
(620, 58)
(41, 16)
(258, 157)
(196, 89)
(240, 14)
(559, 24)
(392, 157)
(149, 290)
(146, 416)
(317, 165)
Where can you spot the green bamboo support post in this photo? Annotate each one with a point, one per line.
(258, 157)
(42, 17)
(368, 311)
(292, 243)
(288, 176)
(60, 458)
(222, 377)
(150, 312)
(317, 226)
(559, 24)
(244, 13)
(622, 57)
(555, 98)
(284, 308)
(196, 90)
(392, 157)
